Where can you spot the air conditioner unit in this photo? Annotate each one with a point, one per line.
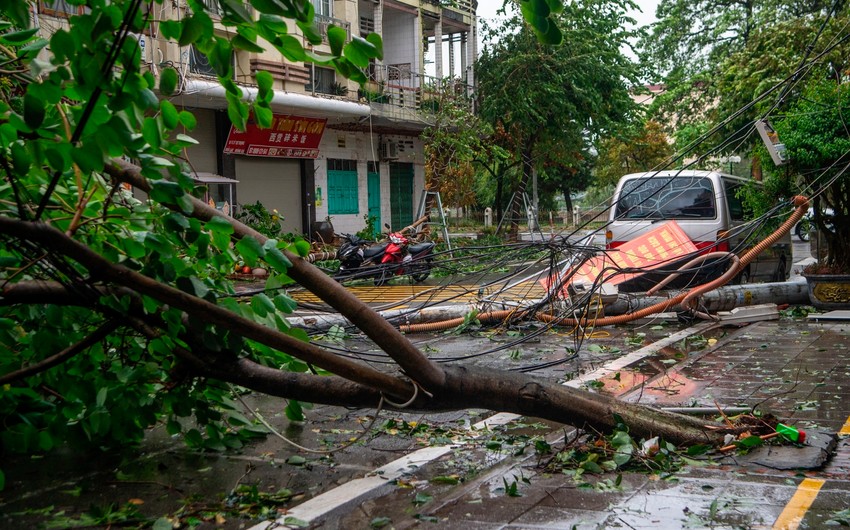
(143, 46)
(389, 150)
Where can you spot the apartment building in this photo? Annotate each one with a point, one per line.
(336, 149)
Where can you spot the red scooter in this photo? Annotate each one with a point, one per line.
(384, 260)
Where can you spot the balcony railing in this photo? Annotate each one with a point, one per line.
(322, 23)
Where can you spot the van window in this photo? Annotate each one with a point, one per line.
(736, 205)
(684, 197)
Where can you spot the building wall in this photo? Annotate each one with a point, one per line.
(400, 42)
(359, 147)
(274, 182)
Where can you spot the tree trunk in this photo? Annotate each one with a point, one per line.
(427, 386)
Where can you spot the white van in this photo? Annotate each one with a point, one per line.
(706, 206)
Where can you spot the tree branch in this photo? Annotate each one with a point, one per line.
(415, 364)
(101, 268)
(96, 336)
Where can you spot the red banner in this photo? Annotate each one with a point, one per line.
(288, 137)
(660, 246)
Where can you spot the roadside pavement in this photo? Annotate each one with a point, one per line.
(794, 368)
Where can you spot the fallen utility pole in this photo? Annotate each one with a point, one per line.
(724, 298)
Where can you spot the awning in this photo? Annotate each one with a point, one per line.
(212, 178)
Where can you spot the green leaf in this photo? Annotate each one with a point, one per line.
(380, 522)
(262, 305)
(285, 303)
(263, 115)
(162, 523)
(16, 38)
(2, 480)
(240, 42)
(375, 40)
(272, 22)
(422, 498)
(193, 29)
(151, 132)
(250, 249)
(300, 247)
(237, 9)
(358, 51)
(294, 411)
(219, 225)
(277, 259)
(336, 39)
(168, 81)
(188, 120)
(296, 460)
(33, 110)
(170, 115)
(265, 81)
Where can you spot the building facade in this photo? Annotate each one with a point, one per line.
(336, 150)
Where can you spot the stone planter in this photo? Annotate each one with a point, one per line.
(829, 291)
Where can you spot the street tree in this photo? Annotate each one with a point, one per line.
(553, 101)
(638, 149)
(715, 56)
(117, 313)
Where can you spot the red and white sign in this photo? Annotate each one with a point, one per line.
(656, 248)
(288, 137)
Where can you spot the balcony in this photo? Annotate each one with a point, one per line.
(322, 23)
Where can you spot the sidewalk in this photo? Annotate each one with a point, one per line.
(796, 369)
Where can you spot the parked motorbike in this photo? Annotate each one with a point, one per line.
(360, 258)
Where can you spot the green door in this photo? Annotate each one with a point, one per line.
(401, 194)
(373, 179)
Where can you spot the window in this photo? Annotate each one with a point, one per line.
(322, 80)
(200, 64)
(323, 7)
(667, 198)
(60, 8)
(342, 187)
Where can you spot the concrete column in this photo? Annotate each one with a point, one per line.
(463, 58)
(471, 54)
(378, 15)
(438, 50)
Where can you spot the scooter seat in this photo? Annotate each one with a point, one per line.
(418, 248)
(373, 251)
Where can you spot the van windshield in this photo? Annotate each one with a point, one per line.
(682, 197)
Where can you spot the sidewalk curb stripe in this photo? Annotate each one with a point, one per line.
(796, 509)
(377, 482)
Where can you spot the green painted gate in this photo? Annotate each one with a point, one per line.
(373, 183)
(401, 194)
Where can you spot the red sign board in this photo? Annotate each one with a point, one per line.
(288, 137)
(651, 250)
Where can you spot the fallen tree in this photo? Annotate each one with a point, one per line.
(116, 312)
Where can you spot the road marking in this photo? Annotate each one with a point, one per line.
(375, 483)
(796, 509)
(845, 431)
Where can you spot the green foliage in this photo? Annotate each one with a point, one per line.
(371, 230)
(547, 102)
(260, 219)
(816, 138)
(93, 104)
(640, 149)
